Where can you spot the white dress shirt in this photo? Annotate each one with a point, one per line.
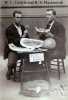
(18, 29)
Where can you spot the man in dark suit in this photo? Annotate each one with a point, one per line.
(55, 30)
(14, 33)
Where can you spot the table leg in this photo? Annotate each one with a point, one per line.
(46, 68)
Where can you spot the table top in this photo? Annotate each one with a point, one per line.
(25, 50)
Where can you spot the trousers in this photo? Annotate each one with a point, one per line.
(12, 59)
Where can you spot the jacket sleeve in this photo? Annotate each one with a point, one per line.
(9, 35)
(60, 33)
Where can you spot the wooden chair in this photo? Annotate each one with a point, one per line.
(58, 62)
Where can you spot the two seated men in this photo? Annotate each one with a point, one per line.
(16, 31)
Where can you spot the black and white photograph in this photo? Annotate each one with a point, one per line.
(33, 49)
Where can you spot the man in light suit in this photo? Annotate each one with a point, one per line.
(55, 30)
(14, 33)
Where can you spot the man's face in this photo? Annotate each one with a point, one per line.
(49, 15)
(17, 18)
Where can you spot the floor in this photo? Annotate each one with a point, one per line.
(34, 89)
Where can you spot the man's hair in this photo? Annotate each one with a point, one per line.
(16, 12)
(53, 11)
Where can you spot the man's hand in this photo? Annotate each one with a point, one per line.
(11, 44)
(47, 30)
(25, 33)
(40, 30)
(37, 29)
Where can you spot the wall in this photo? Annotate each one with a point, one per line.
(33, 17)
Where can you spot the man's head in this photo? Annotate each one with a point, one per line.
(17, 17)
(50, 14)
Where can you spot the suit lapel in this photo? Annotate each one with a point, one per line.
(15, 30)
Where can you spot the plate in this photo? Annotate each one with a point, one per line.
(31, 43)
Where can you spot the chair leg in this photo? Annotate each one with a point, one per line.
(20, 70)
(58, 65)
(63, 65)
(14, 73)
(47, 65)
(22, 74)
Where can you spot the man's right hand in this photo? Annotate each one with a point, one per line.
(25, 33)
(11, 44)
(37, 29)
(40, 30)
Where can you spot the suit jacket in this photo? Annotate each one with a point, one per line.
(13, 36)
(58, 31)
